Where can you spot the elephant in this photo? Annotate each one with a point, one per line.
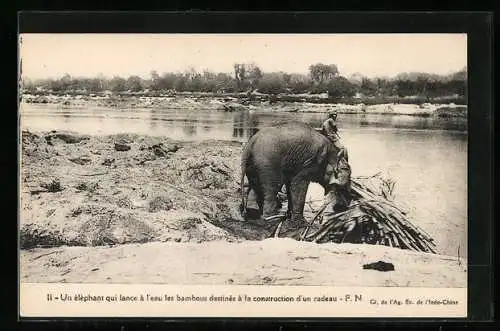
(291, 154)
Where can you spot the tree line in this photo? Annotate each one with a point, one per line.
(321, 78)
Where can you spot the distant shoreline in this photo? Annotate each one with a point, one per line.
(252, 102)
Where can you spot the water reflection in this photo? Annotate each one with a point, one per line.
(189, 127)
(195, 125)
(245, 125)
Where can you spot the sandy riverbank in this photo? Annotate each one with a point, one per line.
(280, 261)
(231, 104)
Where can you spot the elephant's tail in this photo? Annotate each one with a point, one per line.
(243, 205)
(244, 160)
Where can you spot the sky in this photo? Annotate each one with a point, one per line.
(88, 55)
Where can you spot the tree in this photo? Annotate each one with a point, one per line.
(287, 78)
(300, 83)
(459, 75)
(383, 86)
(247, 75)
(356, 78)
(225, 82)
(134, 84)
(155, 80)
(340, 87)
(92, 84)
(62, 84)
(193, 80)
(27, 85)
(321, 73)
(272, 83)
(239, 74)
(254, 74)
(103, 82)
(368, 86)
(208, 81)
(321, 78)
(180, 82)
(117, 84)
(167, 81)
(191, 73)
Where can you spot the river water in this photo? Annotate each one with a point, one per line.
(427, 157)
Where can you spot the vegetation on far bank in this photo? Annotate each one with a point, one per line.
(323, 84)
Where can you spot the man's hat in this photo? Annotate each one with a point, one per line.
(332, 112)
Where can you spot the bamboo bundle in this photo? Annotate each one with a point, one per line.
(371, 219)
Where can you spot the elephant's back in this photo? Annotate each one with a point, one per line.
(280, 139)
(297, 132)
(286, 129)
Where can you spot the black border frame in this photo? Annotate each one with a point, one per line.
(477, 25)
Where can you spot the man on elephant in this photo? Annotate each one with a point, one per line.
(330, 130)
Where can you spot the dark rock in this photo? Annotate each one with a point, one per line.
(48, 139)
(267, 280)
(66, 137)
(108, 162)
(75, 212)
(160, 203)
(143, 159)
(81, 160)
(81, 187)
(380, 266)
(121, 147)
(89, 187)
(173, 149)
(158, 150)
(53, 186)
(162, 151)
(124, 202)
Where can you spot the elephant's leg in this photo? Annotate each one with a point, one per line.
(254, 184)
(270, 182)
(260, 200)
(299, 186)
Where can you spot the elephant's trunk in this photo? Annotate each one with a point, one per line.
(339, 183)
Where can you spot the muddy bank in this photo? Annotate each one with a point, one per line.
(267, 262)
(90, 191)
(251, 103)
